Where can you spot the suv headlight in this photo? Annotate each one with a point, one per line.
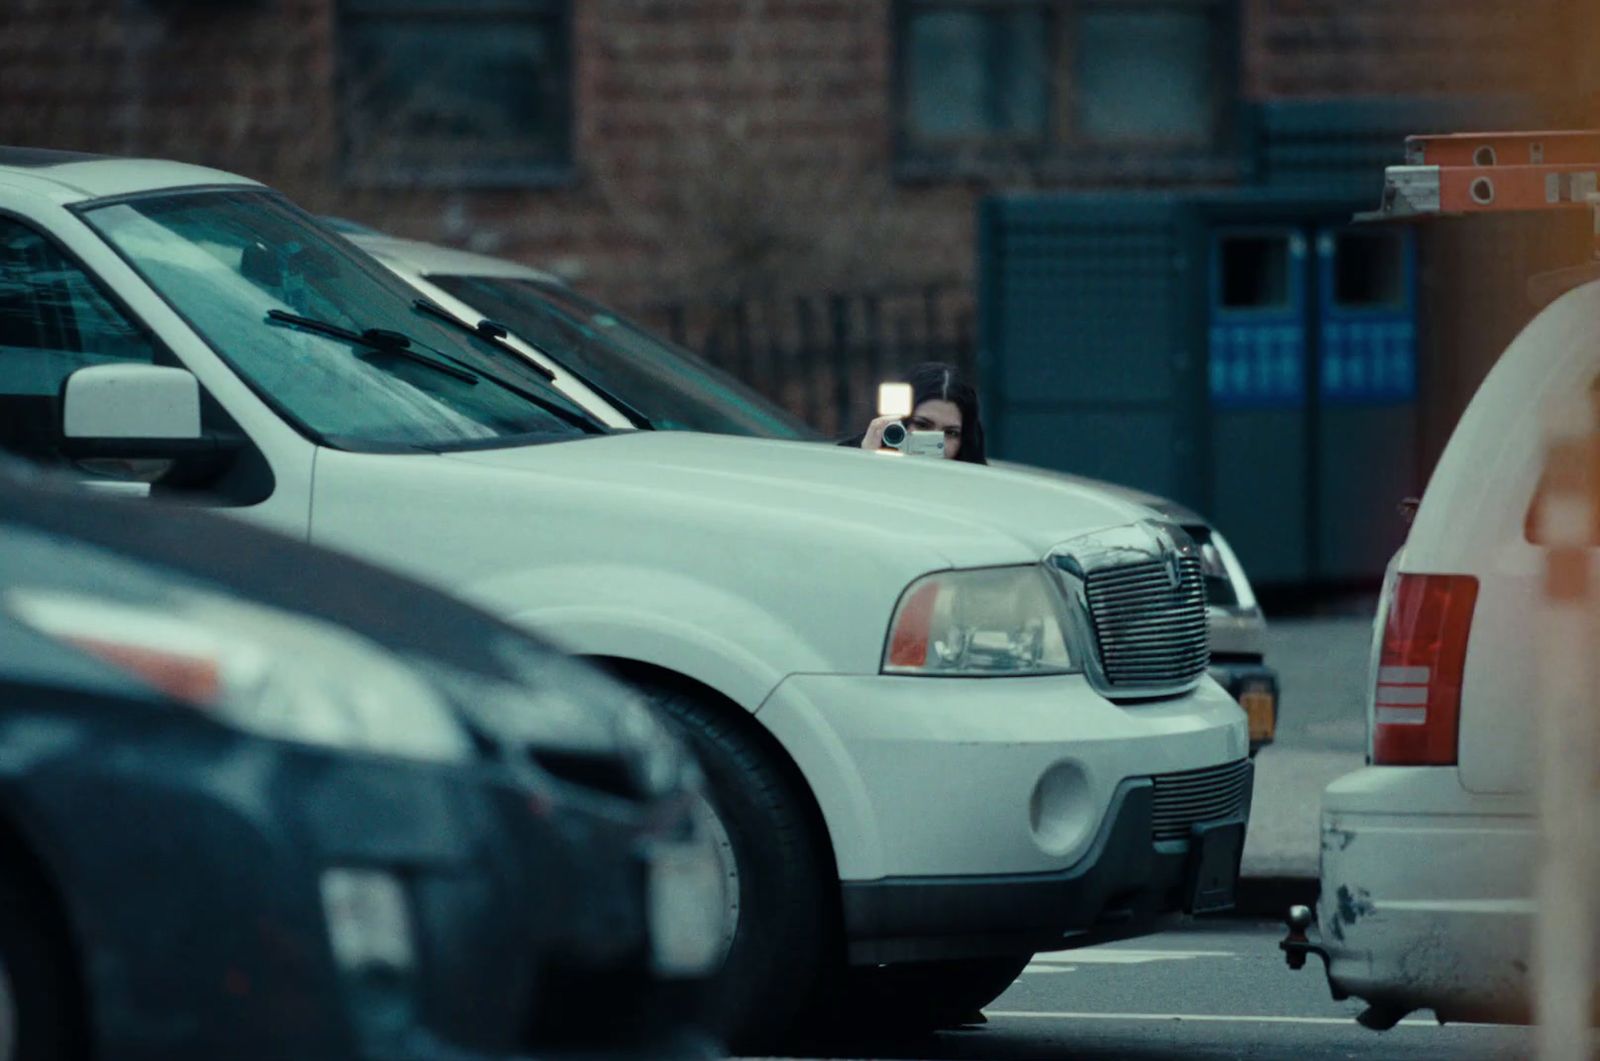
(273, 673)
(991, 621)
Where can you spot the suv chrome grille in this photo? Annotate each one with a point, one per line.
(1150, 630)
(1194, 797)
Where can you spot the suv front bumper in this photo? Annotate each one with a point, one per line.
(1121, 887)
(981, 816)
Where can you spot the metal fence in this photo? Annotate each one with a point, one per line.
(822, 355)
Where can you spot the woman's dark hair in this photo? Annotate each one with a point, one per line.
(937, 381)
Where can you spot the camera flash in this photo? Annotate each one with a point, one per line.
(894, 399)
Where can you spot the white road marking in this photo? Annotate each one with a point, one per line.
(1210, 1018)
(1069, 960)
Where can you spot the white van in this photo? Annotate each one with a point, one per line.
(950, 715)
(1428, 854)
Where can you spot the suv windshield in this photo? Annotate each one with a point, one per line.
(334, 342)
(675, 390)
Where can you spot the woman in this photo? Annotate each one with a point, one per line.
(941, 400)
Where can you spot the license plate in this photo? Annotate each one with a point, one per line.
(1214, 867)
(1261, 708)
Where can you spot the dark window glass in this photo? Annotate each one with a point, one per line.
(53, 321)
(1369, 270)
(1146, 75)
(1069, 83)
(470, 92)
(1255, 272)
(976, 73)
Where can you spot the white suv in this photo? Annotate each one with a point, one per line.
(950, 715)
(1428, 854)
(646, 380)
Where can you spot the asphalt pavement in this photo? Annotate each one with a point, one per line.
(1204, 990)
(1322, 734)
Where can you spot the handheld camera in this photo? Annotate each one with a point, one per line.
(894, 399)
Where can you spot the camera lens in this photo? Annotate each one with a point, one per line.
(894, 435)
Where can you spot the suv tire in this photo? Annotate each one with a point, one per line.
(783, 927)
(923, 996)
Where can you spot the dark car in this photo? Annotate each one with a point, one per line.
(259, 800)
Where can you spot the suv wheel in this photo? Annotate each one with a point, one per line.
(776, 921)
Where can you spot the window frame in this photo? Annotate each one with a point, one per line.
(1057, 155)
(460, 172)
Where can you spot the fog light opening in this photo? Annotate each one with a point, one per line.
(1060, 811)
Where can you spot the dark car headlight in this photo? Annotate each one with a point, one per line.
(1227, 586)
(270, 672)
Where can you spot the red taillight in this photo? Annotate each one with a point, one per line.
(1417, 708)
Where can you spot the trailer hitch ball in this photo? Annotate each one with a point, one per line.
(1296, 943)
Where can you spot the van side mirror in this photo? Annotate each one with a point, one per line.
(135, 412)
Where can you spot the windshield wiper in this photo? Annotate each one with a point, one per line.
(380, 340)
(606, 394)
(496, 333)
(487, 332)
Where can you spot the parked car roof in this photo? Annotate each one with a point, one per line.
(432, 258)
(71, 176)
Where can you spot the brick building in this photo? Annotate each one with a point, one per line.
(666, 147)
(705, 150)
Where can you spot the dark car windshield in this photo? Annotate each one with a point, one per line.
(242, 266)
(674, 389)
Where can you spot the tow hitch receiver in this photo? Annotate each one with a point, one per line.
(1298, 943)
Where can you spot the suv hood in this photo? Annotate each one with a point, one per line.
(1180, 514)
(969, 515)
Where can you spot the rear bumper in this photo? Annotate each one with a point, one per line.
(1121, 887)
(1426, 893)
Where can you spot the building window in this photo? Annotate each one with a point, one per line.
(1123, 87)
(456, 92)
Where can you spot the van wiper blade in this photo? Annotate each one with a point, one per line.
(494, 332)
(379, 340)
(486, 331)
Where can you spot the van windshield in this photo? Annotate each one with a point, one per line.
(672, 388)
(327, 337)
